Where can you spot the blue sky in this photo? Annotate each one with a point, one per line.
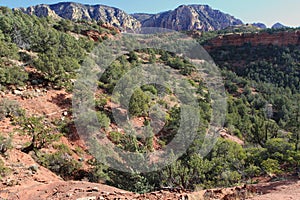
(266, 11)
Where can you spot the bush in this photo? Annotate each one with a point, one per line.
(100, 103)
(271, 166)
(252, 171)
(135, 182)
(279, 149)
(60, 163)
(39, 130)
(138, 105)
(5, 144)
(149, 88)
(13, 76)
(115, 137)
(104, 121)
(229, 178)
(10, 108)
(3, 169)
(98, 172)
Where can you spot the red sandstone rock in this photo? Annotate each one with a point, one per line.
(255, 39)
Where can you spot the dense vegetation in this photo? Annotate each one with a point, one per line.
(263, 106)
(58, 54)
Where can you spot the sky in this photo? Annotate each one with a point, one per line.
(268, 12)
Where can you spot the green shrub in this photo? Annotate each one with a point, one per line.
(139, 103)
(104, 121)
(40, 132)
(3, 169)
(271, 166)
(135, 182)
(149, 88)
(60, 163)
(13, 76)
(279, 149)
(100, 103)
(62, 147)
(5, 144)
(229, 178)
(10, 108)
(115, 137)
(252, 171)
(98, 172)
(79, 151)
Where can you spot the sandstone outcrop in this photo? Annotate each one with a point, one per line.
(283, 38)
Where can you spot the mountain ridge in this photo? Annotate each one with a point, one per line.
(78, 11)
(184, 17)
(190, 17)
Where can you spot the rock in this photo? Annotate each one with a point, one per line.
(21, 88)
(16, 172)
(17, 92)
(69, 195)
(29, 173)
(11, 182)
(3, 148)
(34, 82)
(95, 189)
(33, 168)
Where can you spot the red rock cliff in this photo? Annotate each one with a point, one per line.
(279, 38)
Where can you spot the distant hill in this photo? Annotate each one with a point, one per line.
(260, 25)
(77, 11)
(189, 17)
(278, 26)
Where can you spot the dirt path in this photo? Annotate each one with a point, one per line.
(283, 190)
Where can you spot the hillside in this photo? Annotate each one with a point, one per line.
(43, 155)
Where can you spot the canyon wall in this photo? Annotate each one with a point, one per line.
(283, 38)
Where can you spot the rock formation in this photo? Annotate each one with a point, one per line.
(189, 17)
(77, 11)
(282, 38)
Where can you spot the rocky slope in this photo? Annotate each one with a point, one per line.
(283, 38)
(189, 17)
(77, 11)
